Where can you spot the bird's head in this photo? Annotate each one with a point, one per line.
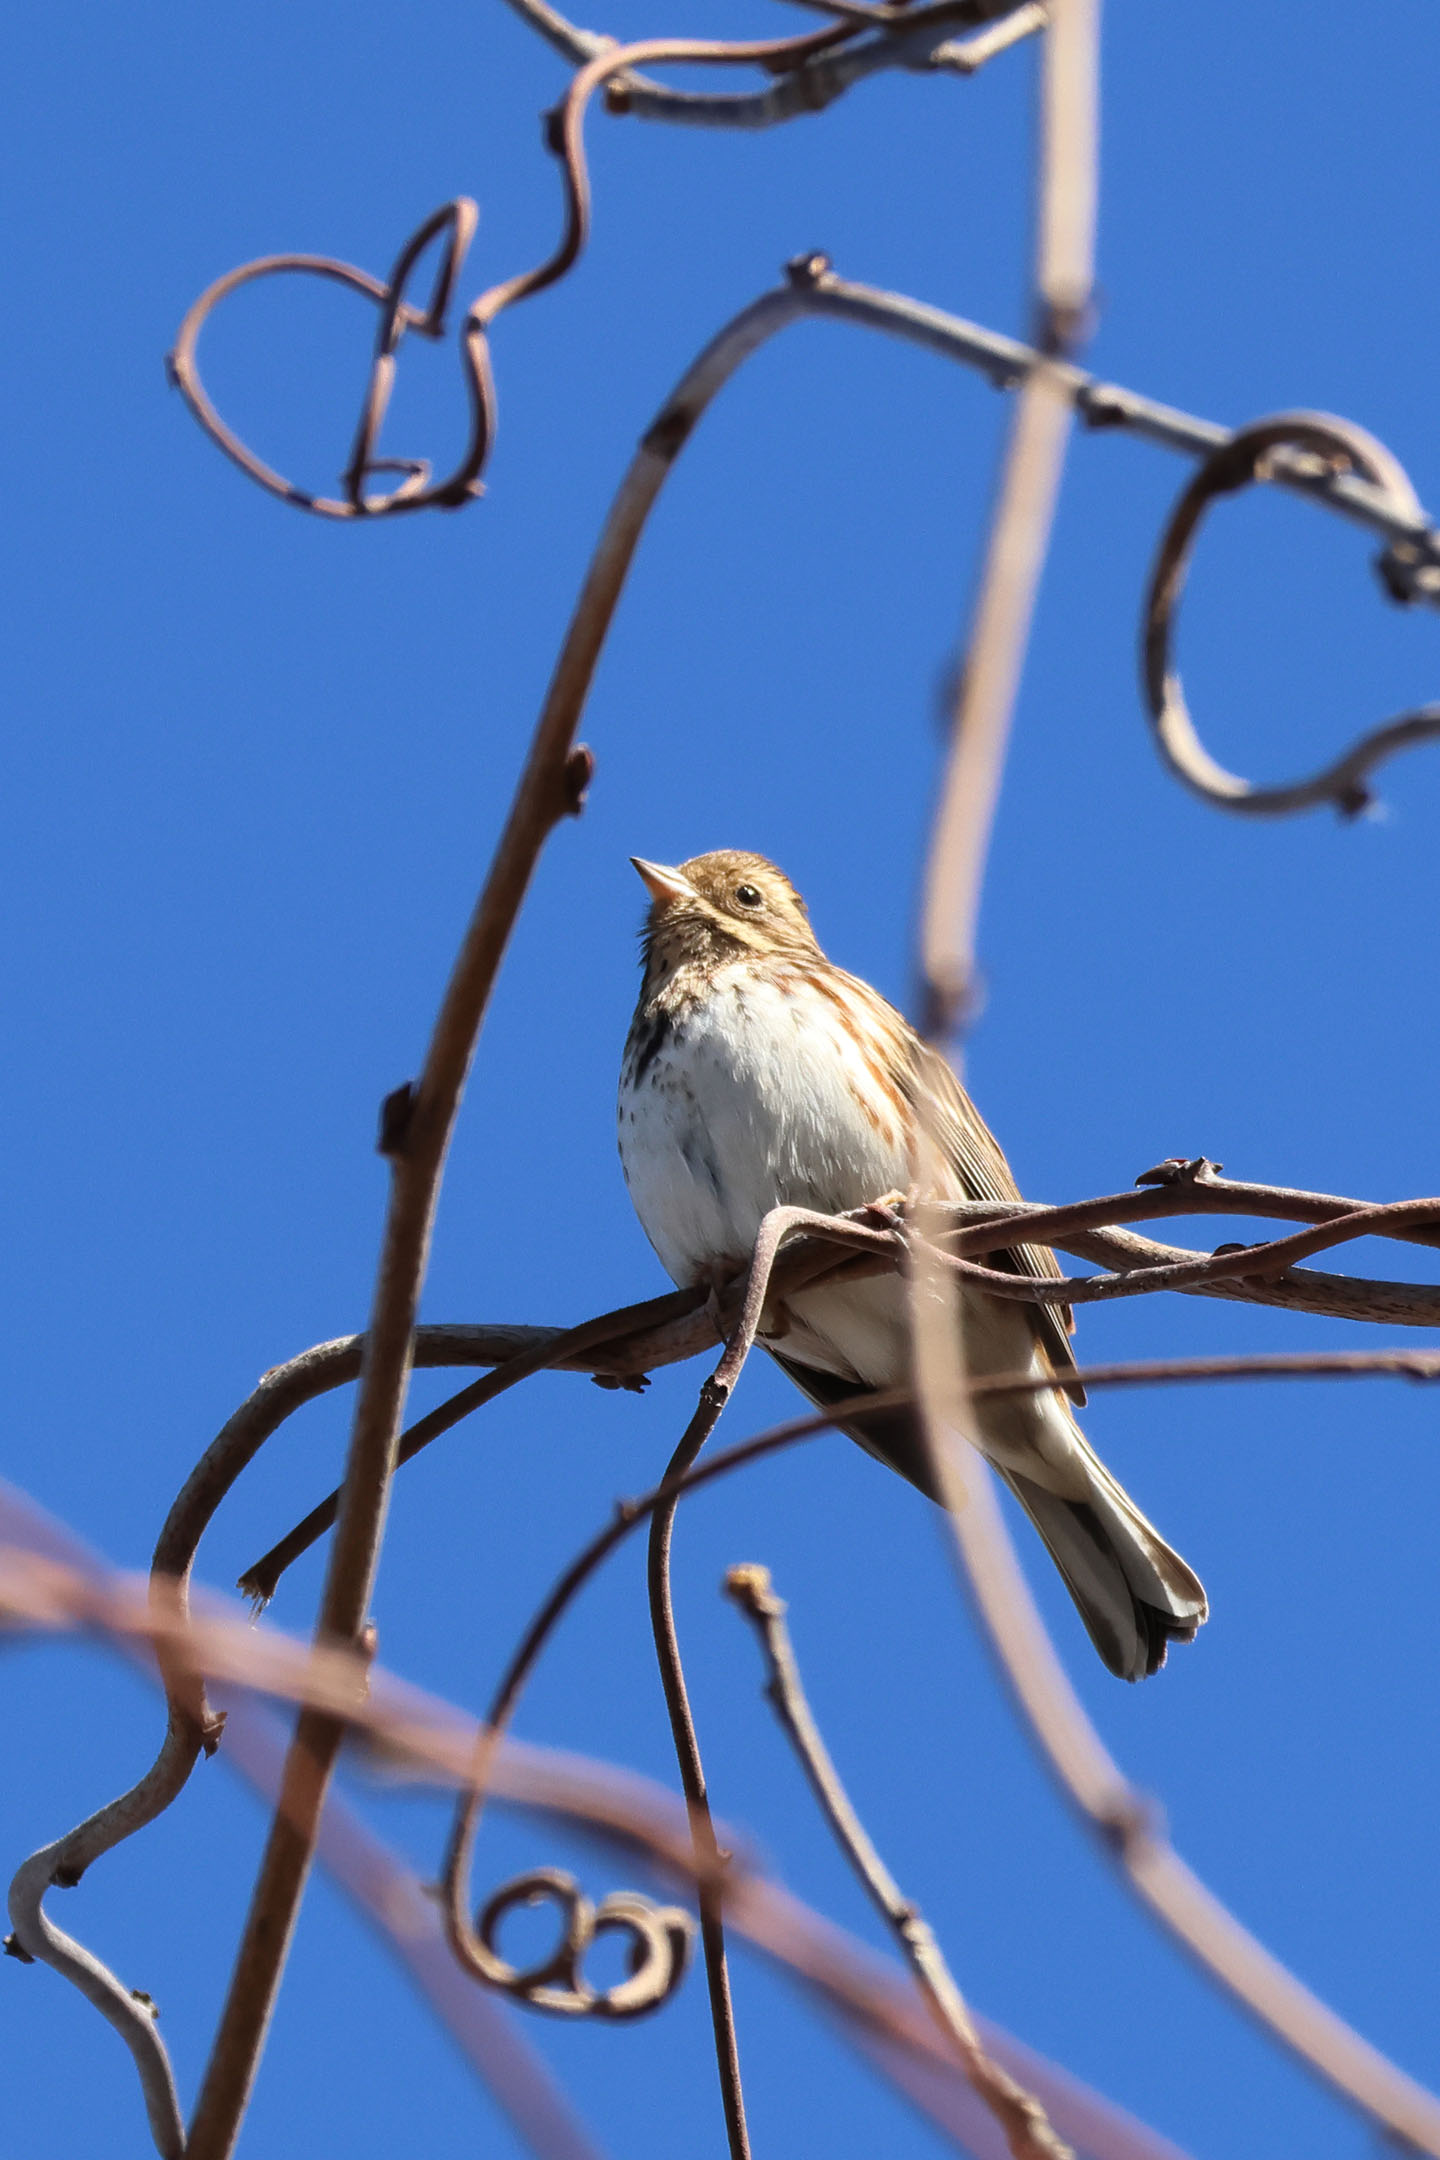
(719, 906)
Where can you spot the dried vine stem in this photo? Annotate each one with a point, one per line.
(1333, 445)
(1128, 1828)
(432, 1741)
(1066, 165)
(456, 221)
(1017, 544)
(710, 1860)
(398, 316)
(810, 86)
(1028, 2130)
(401, 1909)
(629, 1514)
(191, 1727)
(1086, 1228)
(1233, 1263)
(417, 1138)
(548, 1349)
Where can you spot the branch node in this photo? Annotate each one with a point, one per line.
(1407, 573)
(748, 1586)
(668, 432)
(1129, 1823)
(395, 1115)
(579, 772)
(1063, 327)
(1103, 405)
(13, 1947)
(1181, 1170)
(806, 271)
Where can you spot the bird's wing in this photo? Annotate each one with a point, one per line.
(983, 1174)
(972, 1149)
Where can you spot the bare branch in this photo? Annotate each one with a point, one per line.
(1028, 2131)
(710, 1860)
(1020, 527)
(1105, 407)
(549, 1348)
(128, 2010)
(636, 1339)
(917, 38)
(1233, 1263)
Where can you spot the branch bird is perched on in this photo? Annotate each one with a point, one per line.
(758, 1075)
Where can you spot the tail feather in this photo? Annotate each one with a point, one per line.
(1135, 1595)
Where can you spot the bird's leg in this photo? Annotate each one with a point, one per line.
(723, 1282)
(890, 1210)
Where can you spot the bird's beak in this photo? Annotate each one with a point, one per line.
(661, 882)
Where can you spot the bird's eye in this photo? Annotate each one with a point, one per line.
(748, 896)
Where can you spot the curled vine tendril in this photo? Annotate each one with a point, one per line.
(457, 221)
(1327, 445)
(659, 1942)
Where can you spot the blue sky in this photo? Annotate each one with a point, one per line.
(257, 763)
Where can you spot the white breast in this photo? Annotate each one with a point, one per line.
(758, 1097)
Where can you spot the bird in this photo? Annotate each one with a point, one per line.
(757, 1074)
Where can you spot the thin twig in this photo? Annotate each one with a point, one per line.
(807, 87)
(1235, 1263)
(709, 1859)
(552, 1348)
(965, 56)
(128, 2011)
(1028, 2130)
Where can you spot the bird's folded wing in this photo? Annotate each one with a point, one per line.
(983, 1174)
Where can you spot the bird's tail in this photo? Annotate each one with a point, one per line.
(1133, 1593)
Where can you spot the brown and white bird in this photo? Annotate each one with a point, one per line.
(759, 1075)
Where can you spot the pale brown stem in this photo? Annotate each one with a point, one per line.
(1028, 2130)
